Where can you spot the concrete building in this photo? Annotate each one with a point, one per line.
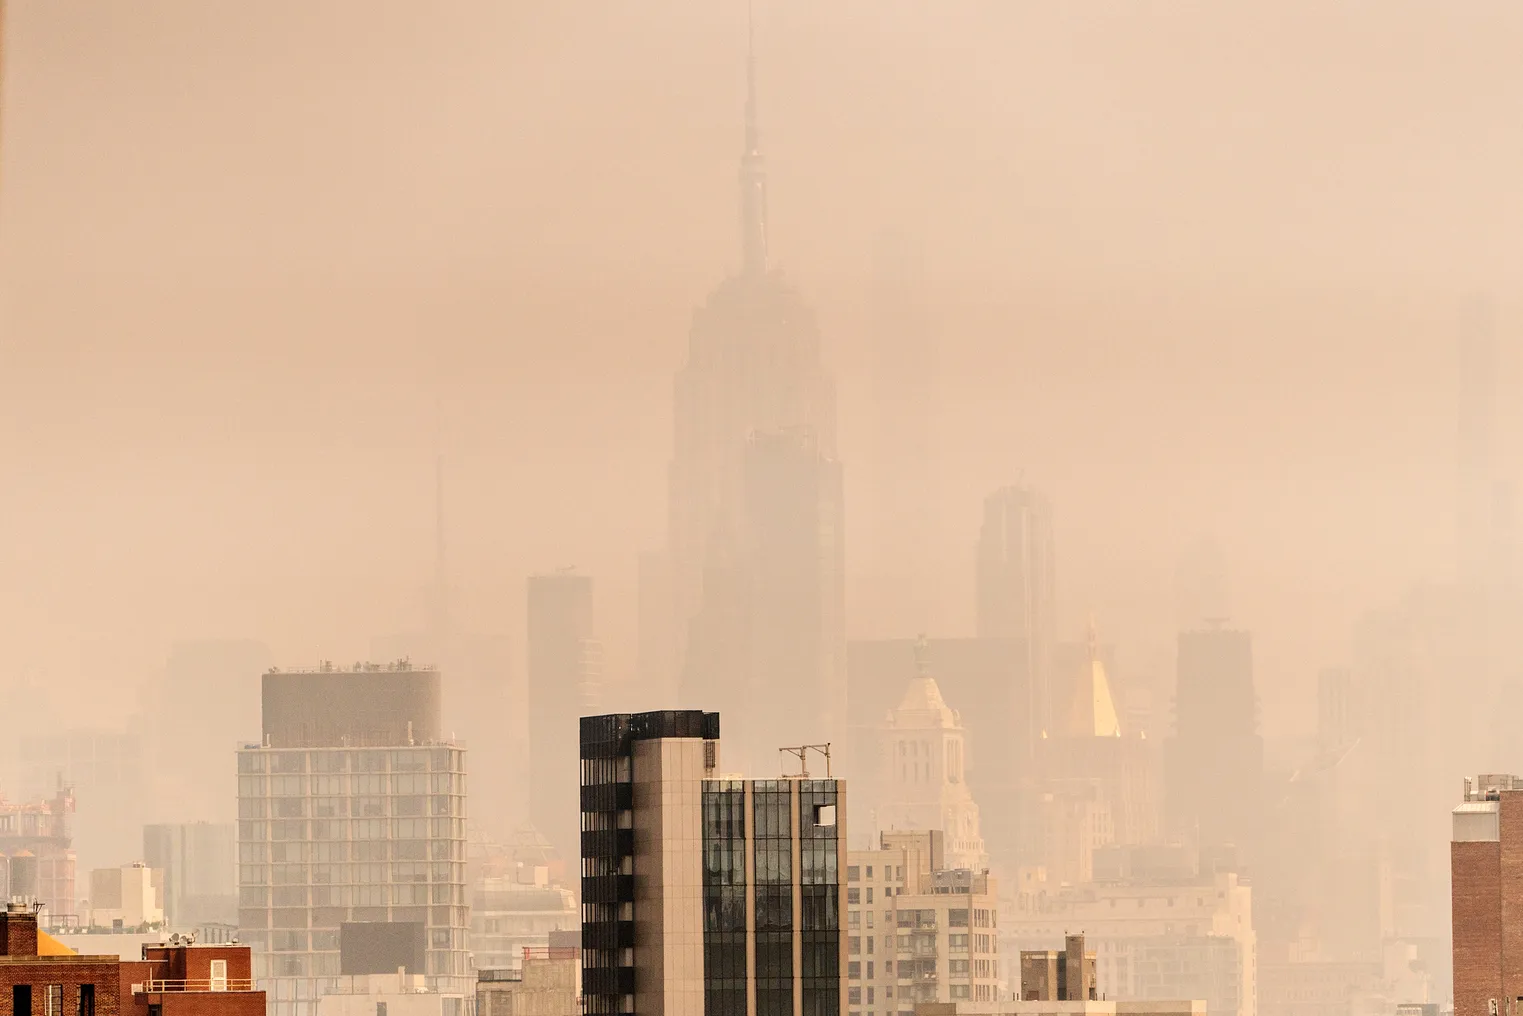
(199, 862)
(702, 893)
(395, 994)
(353, 820)
(564, 667)
(1016, 593)
(544, 983)
(1066, 975)
(1021, 1008)
(1214, 763)
(917, 930)
(517, 912)
(924, 778)
(126, 897)
(1155, 938)
(37, 859)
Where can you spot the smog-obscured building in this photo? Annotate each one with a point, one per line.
(352, 828)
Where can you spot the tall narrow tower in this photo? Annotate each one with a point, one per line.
(754, 510)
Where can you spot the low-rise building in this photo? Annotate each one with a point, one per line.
(543, 984)
(127, 897)
(1061, 1008)
(1155, 939)
(1066, 975)
(517, 911)
(917, 932)
(38, 974)
(399, 994)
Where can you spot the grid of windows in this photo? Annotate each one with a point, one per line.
(329, 835)
(819, 896)
(772, 822)
(724, 898)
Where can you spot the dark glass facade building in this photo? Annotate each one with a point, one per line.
(702, 895)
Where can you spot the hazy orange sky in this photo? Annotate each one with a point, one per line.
(1192, 267)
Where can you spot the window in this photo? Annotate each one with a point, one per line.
(86, 1000)
(853, 996)
(957, 918)
(380, 1009)
(854, 971)
(869, 871)
(53, 1000)
(854, 873)
(853, 896)
(869, 970)
(869, 894)
(854, 944)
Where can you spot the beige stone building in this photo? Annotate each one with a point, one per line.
(1154, 939)
(917, 931)
(924, 780)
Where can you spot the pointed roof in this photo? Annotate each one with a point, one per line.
(922, 705)
(47, 945)
(1094, 707)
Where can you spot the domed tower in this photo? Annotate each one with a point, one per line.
(923, 763)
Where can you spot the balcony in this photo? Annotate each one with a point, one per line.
(160, 987)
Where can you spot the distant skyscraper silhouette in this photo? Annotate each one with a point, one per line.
(1476, 509)
(903, 480)
(564, 661)
(753, 407)
(1016, 587)
(1214, 763)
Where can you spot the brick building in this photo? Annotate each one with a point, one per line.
(39, 976)
(1486, 868)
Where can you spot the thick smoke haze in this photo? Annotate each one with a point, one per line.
(1191, 268)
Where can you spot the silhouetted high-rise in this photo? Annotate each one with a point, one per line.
(564, 662)
(1016, 587)
(752, 386)
(1214, 763)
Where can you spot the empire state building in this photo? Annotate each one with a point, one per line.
(743, 610)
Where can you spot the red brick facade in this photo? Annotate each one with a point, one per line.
(175, 978)
(1476, 874)
(1487, 916)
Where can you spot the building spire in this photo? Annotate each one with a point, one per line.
(441, 578)
(753, 171)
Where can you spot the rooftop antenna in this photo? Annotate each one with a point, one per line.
(802, 754)
(922, 656)
(441, 575)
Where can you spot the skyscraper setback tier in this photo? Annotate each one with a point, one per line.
(337, 838)
(701, 894)
(753, 378)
